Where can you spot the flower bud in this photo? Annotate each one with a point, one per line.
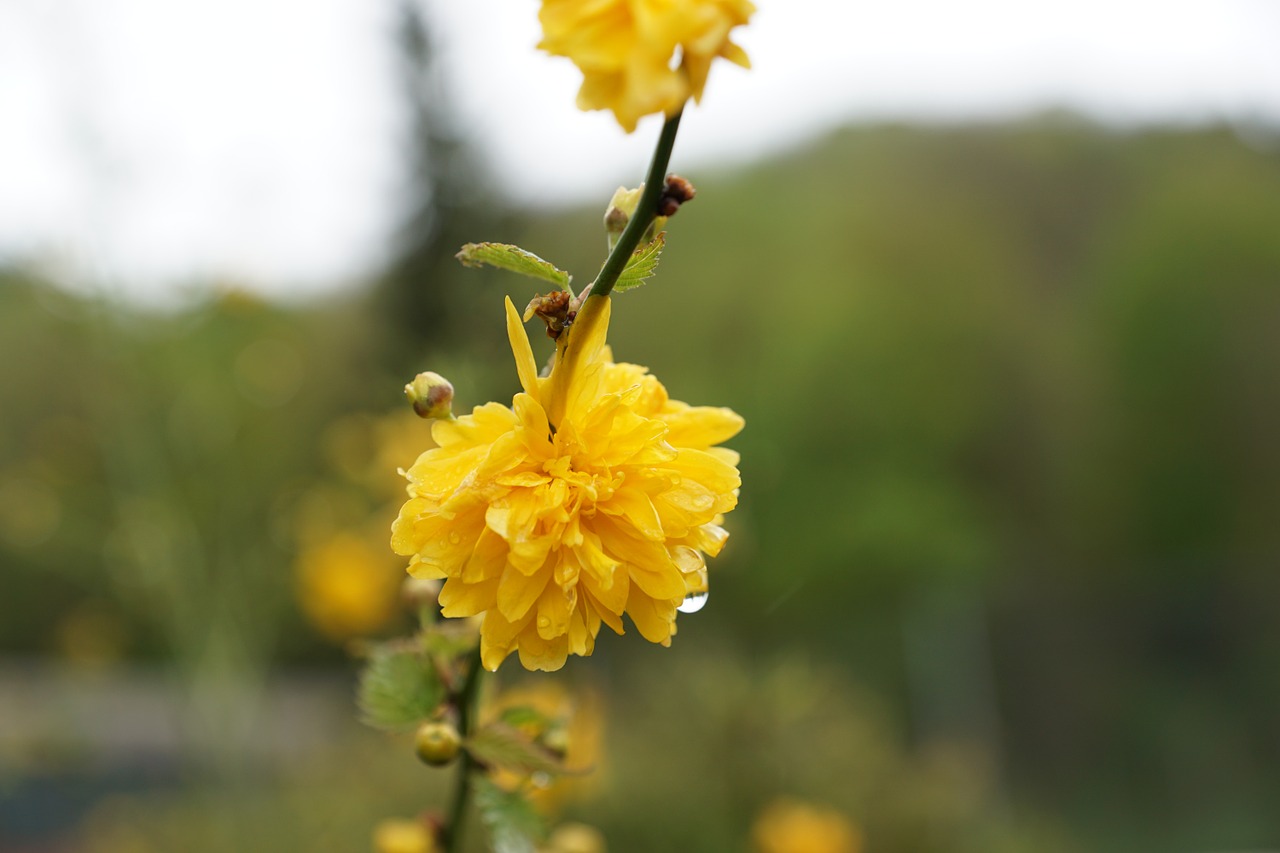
(431, 395)
(621, 207)
(437, 742)
(675, 192)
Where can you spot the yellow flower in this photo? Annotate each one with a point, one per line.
(402, 836)
(593, 495)
(346, 587)
(574, 838)
(790, 826)
(625, 49)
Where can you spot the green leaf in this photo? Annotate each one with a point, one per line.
(500, 745)
(524, 715)
(513, 823)
(451, 638)
(398, 689)
(642, 264)
(513, 258)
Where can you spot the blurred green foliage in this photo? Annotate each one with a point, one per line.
(1010, 468)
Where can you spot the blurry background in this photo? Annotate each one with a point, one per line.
(996, 289)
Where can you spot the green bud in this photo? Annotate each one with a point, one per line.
(437, 742)
(431, 395)
(621, 207)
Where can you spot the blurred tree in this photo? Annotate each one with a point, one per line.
(447, 201)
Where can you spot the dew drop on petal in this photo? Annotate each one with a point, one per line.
(544, 621)
(703, 502)
(693, 602)
(454, 537)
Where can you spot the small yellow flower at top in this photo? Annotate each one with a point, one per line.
(626, 49)
(593, 495)
(402, 836)
(791, 826)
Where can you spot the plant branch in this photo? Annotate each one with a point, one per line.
(464, 701)
(646, 212)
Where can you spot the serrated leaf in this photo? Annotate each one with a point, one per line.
(513, 258)
(500, 745)
(642, 264)
(398, 688)
(514, 824)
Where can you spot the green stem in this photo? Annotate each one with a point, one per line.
(646, 212)
(464, 701)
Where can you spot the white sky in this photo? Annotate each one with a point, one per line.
(143, 142)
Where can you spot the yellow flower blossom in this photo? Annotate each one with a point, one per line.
(574, 838)
(790, 826)
(626, 49)
(402, 836)
(592, 496)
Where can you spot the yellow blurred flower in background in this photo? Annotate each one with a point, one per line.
(568, 723)
(625, 49)
(402, 836)
(791, 826)
(574, 838)
(593, 495)
(347, 587)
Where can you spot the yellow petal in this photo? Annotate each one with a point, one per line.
(633, 507)
(539, 654)
(584, 624)
(526, 367)
(458, 598)
(612, 598)
(702, 426)
(488, 558)
(578, 354)
(653, 619)
(555, 606)
(498, 638)
(517, 592)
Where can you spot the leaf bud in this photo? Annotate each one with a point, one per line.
(621, 208)
(431, 395)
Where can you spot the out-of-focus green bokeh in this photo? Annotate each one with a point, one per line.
(1003, 576)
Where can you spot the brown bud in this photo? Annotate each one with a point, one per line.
(553, 309)
(675, 192)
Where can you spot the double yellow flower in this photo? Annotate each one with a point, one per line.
(640, 57)
(593, 495)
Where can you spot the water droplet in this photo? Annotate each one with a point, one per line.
(693, 602)
(544, 621)
(703, 502)
(454, 537)
(540, 779)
